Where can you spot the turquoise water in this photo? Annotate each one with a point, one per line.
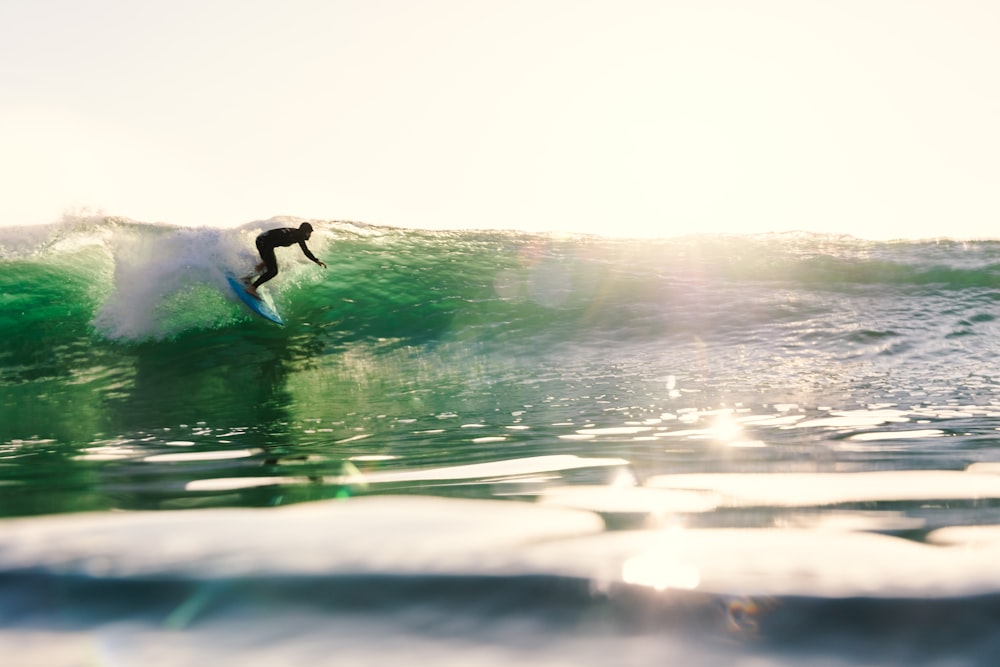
(498, 433)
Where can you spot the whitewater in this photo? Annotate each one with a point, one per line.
(478, 447)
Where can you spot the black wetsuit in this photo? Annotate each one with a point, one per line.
(268, 241)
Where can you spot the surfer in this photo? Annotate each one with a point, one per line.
(268, 241)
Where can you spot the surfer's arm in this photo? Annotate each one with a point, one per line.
(307, 253)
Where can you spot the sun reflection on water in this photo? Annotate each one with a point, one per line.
(662, 566)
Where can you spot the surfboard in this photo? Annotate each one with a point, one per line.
(258, 306)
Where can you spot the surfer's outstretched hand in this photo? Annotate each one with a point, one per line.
(321, 263)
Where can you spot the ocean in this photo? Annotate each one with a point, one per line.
(496, 447)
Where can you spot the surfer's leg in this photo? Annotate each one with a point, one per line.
(270, 262)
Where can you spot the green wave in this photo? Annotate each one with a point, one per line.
(111, 282)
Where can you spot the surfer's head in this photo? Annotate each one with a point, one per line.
(306, 229)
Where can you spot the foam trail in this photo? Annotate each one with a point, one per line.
(158, 277)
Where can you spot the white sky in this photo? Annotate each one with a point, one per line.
(879, 118)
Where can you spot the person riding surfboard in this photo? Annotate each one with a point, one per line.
(267, 242)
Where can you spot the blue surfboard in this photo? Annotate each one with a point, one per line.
(258, 306)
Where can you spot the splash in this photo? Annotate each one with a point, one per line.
(169, 281)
